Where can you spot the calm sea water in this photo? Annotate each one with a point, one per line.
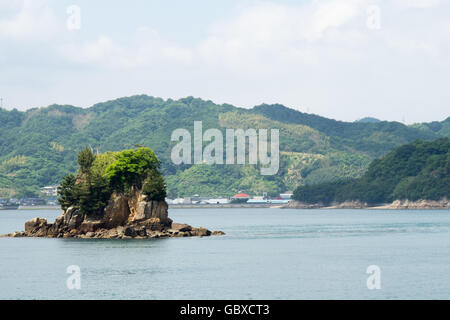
(266, 254)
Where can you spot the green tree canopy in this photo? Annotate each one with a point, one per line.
(86, 159)
(131, 168)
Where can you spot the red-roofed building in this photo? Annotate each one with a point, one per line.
(240, 198)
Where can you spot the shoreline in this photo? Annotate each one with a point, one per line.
(442, 204)
(39, 208)
(396, 205)
(220, 206)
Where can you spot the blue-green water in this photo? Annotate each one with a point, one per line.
(266, 254)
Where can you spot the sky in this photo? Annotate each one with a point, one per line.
(342, 59)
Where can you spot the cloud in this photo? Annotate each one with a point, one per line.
(317, 53)
(147, 48)
(421, 4)
(333, 14)
(266, 35)
(35, 20)
(258, 33)
(102, 51)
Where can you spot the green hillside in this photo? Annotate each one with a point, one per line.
(38, 147)
(441, 128)
(419, 170)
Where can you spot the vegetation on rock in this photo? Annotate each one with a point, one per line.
(99, 176)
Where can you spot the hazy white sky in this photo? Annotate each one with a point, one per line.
(344, 59)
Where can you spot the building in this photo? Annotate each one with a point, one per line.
(33, 202)
(50, 191)
(258, 200)
(217, 201)
(240, 198)
(286, 196)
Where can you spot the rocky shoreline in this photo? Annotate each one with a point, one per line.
(125, 217)
(417, 205)
(396, 205)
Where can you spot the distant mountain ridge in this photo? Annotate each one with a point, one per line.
(368, 120)
(36, 146)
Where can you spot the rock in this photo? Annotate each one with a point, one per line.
(56, 227)
(117, 211)
(18, 234)
(141, 211)
(153, 224)
(120, 230)
(75, 221)
(200, 232)
(355, 204)
(419, 204)
(141, 231)
(129, 232)
(125, 217)
(217, 233)
(160, 210)
(91, 226)
(181, 227)
(111, 234)
(302, 205)
(101, 234)
(67, 215)
(59, 222)
(35, 225)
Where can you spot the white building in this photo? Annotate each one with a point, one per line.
(286, 196)
(50, 191)
(217, 201)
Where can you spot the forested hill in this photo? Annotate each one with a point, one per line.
(420, 170)
(37, 146)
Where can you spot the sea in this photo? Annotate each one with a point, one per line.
(265, 254)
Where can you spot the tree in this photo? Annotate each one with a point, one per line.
(93, 195)
(85, 159)
(131, 168)
(154, 186)
(66, 192)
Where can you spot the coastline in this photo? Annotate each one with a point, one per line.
(442, 204)
(395, 205)
(39, 208)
